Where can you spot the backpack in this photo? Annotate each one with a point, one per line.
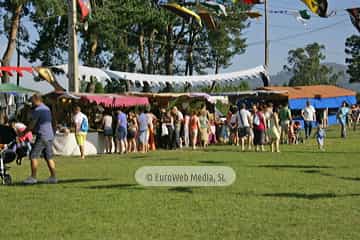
(84, 127)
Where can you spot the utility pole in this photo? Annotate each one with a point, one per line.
(267, 42)
(18, 55)
(73, 64)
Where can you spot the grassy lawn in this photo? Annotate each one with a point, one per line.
(298, 194)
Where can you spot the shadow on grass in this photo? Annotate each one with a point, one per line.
(331, 175)
(293, 166)
(115, 186)
(219, 150)
(181, 189)
(350, 178)
(138, 157)
(311, 171)
(314, 196)
(326, 152)
(212, 162)
(66, 181)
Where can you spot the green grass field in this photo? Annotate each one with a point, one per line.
(298, 194)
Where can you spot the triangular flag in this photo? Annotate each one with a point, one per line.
(253, 1)
(45, 74)
(355, 17)
(182, 12)
(85, 8)
(217, 7)
(318, 7)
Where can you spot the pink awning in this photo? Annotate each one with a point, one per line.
(115, 100)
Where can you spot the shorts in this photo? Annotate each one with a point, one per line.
(122, 133)
(80, 138)
(244, 132)
(108, 132)
(42, 148)
(143, 136)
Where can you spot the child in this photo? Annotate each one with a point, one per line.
(23, 140)
(212, 132)
(320, 137)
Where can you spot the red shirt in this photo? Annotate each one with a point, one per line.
(261, 117)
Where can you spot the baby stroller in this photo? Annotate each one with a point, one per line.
(11, 151)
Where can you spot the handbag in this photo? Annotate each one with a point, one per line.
(164, 130)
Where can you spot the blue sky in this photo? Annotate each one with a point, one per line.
(282, 25)
(336, 30)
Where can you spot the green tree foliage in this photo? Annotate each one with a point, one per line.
(306, 67)
(140, 36)
(353, 61)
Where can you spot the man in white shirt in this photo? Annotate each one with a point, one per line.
(80, 129)
(243, 119)
(309, 116)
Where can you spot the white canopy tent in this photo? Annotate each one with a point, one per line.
(158, 81)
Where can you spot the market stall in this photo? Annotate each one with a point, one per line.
(322, 97)
(93, 105)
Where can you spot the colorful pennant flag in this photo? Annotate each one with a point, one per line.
(355, 17)
(252, 14)
(253, 1)
(207, 19)
(182, 12)
(85, 8)
(318, 7)
(45, 74)
(18, 70)
(217, 7)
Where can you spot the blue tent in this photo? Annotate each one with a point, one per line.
(320, 96)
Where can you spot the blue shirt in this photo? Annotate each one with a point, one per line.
(122, 120)
(342, 115)
(143, 122)
(42, 118)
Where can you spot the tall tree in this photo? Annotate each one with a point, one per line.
(11, 11)
(306, 67)
(352, 49)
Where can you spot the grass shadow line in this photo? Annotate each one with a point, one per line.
(313, 196)
(65, 181)
(114, 186)
(293, 166)
(211, 162)
(181, 190)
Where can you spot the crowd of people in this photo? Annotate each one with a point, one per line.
(251, 127)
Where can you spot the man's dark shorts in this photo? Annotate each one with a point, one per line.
(244, 132)
(42, 148)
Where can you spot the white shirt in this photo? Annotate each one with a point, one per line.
(78, 119)
(309, 113)
(242, 117)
